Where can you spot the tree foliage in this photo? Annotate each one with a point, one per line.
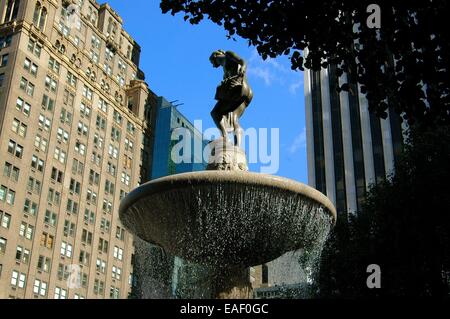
(404, 227)
(403, 64)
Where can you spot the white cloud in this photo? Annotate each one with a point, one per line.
(293, 88)
(262, 73)
(274, 71)
(299, 142)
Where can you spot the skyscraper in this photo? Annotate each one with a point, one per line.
(72, 121)
(348, 148)
(168, 119)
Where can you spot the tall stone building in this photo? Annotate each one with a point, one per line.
(73, 106)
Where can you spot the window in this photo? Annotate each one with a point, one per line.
(85, 110)
(82, 129)
(125, 178)
(41, 143)
(50, 218)
(75, 186)
(91, 197)
(40, 288)
(57, 175)
(84, 258)
(114, 293)
(18, 279)
(30, 208)
(95, 42)
(26, 231)
(72, 79)
(44, 264)
(31, 67)
(63, 274)
(40, 16)
(4, 60)
(105, 225)
(109, 187)
(107, 206)
(86, 237)
(94, 57)
(15, 149)
(115, 134)
(99, 287)
(2, 79)
(44, 122)
(11, 171)
(118, 253)
(62, 135)
(123, 194)
(60, 155)
(51, 84)
(96, 158)
(26, 86)
(103, 245)
(89, 216)
(66, 249)
(48, 103)
(77, 167)
(34, 185)
(60, 293)
(37, 163)
(68, 98)
(3, 243)
(19, 128)
(72, 206)
(5, 41)
(87, 93)
(23, 107)
(69, 229)
(22, 255)
(116, 273)
(34, 48)
(98, 141)
(47, 240)
(100, 266)
(120, 233)
(127, 162)
(131, 128)
(111, 169)
(80, 148)
(53, 196)
(54, 65)
(5, 219)
(113, 151)
(109, 54)
(7, 195)
(66, 116)
(11, 10)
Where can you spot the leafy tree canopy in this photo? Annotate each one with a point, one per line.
(403, 64)
(404, 227)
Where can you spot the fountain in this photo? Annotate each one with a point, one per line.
(227, 219)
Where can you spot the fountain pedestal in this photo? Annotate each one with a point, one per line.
(225, 156)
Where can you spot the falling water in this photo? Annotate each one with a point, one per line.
(218, 230)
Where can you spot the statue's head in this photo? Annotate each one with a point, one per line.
(217, 58)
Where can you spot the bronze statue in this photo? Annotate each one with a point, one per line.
(233, 95)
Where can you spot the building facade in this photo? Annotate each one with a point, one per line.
(158, 274)
(348, 148)
(168, 120)
(72, 124)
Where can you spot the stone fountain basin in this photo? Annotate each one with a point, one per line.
(227, 218)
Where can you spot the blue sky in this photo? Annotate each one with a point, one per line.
(175, 61)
